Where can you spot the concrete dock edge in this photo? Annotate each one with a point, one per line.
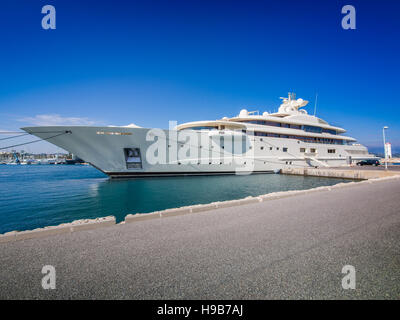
(353, 174)
(77, 225)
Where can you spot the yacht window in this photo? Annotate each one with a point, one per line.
(284, 149)
(329, 131)
(312, 129)
(271, 123)
(273, 135)
(312, 150)
(262, 134)
(301, 138)
(201, 128)
(302, 149)
(331, 150)
(133, 159)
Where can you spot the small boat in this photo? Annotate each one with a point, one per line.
(26, 162)
(51, 161)
(15, 161)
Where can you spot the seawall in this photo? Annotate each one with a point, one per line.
(340, 173)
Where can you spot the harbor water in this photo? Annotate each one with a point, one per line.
(42, 195)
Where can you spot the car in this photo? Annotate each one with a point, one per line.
(368, 162)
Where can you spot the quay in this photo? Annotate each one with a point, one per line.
(355, 173)
(289, 245)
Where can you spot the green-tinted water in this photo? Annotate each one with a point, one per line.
(42, 195)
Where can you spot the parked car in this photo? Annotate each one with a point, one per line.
(368, 162)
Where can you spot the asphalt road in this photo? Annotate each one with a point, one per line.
(291, 248)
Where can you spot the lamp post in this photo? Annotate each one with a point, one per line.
(384, 145)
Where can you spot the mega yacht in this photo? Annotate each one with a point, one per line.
(247, 143)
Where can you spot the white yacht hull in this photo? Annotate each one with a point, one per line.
(103, 147)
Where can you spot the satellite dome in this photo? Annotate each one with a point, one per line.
(243, 113)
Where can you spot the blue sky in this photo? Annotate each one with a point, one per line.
(148, 62)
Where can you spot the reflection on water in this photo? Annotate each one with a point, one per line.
(37, 196)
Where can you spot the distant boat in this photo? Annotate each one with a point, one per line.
(45, 161)
(74, 160)
(34, 162)
(15, 161)
(28, 161)
(60, 161)
(51, 161)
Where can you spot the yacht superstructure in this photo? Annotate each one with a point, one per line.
(248, 143)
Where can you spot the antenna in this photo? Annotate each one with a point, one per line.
(315, 105)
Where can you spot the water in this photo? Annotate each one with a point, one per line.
(42, 195)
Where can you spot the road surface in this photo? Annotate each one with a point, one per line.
(290, 248)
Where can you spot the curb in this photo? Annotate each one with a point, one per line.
(77, 225)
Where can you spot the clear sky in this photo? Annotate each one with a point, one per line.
(148, 62)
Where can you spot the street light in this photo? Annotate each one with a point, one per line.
(384, 145)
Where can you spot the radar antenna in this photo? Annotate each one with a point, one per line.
(315, 105)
